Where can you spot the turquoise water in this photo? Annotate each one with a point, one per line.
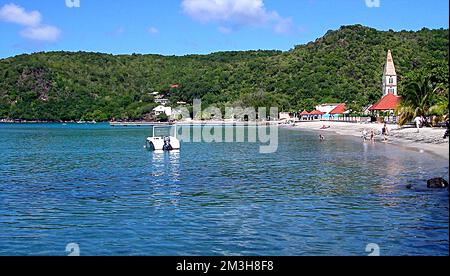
(98, 187)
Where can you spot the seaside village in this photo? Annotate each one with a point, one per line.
(382, 112)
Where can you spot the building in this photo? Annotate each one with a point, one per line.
(367, 110)
(388, 103)
(390, 77)
(338, 111)
(390, 100)
(309, 116)
(304, 115)
(162, 109)
(327, 108)
(316, 114)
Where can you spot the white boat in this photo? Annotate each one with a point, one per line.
(162, 140)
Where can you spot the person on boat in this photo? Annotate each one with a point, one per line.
(167, 146)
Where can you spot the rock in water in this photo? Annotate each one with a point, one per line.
(437, 183)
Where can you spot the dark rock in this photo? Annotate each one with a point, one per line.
(437, 183)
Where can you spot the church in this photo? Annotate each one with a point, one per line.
(390, 100)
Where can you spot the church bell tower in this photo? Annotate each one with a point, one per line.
(390, 77)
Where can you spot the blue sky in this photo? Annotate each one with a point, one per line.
(179, 27)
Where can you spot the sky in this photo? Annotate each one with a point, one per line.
(180, 27)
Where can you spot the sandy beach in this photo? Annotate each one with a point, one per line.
(428, 140)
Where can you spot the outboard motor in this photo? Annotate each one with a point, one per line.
(167, 146)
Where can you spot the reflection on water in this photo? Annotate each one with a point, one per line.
(166, 164)
(96, 186)
(166, 175)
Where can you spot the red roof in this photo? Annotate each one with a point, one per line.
(340, 109)
(388, 102)
(175, 86)
(304, 113)
(317, 112)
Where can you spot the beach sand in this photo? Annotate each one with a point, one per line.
(428, 140)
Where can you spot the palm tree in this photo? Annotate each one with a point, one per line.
(419, 100)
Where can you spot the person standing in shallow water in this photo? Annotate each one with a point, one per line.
(364, 135)
(385, 132)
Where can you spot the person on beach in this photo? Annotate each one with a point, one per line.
(447, 125)
(372, 136)
(418, 122)
(365, 135)
(385, 132)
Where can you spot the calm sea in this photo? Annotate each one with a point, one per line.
(98, 187)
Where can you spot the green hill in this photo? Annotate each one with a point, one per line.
(343, 66)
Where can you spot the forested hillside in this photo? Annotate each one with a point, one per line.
(343, 66)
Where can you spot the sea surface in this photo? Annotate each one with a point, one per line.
(98, 187)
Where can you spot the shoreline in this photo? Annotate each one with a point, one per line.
(426, 141)
(131, 123)
(429, 140)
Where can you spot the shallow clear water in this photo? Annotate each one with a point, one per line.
(98, 187)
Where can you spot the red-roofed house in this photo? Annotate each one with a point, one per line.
(339, 110)
(304, 115)
(316, 114)
(387, 104)
(327, 107)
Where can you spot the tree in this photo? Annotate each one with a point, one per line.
(343, 66)
(162, 118)
(419, 100)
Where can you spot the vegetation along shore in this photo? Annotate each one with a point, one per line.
(342, 66)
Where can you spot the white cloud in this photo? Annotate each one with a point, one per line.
(41, 33)
(153, 30)
(32, 21)
(15, 14)
(236, 13)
